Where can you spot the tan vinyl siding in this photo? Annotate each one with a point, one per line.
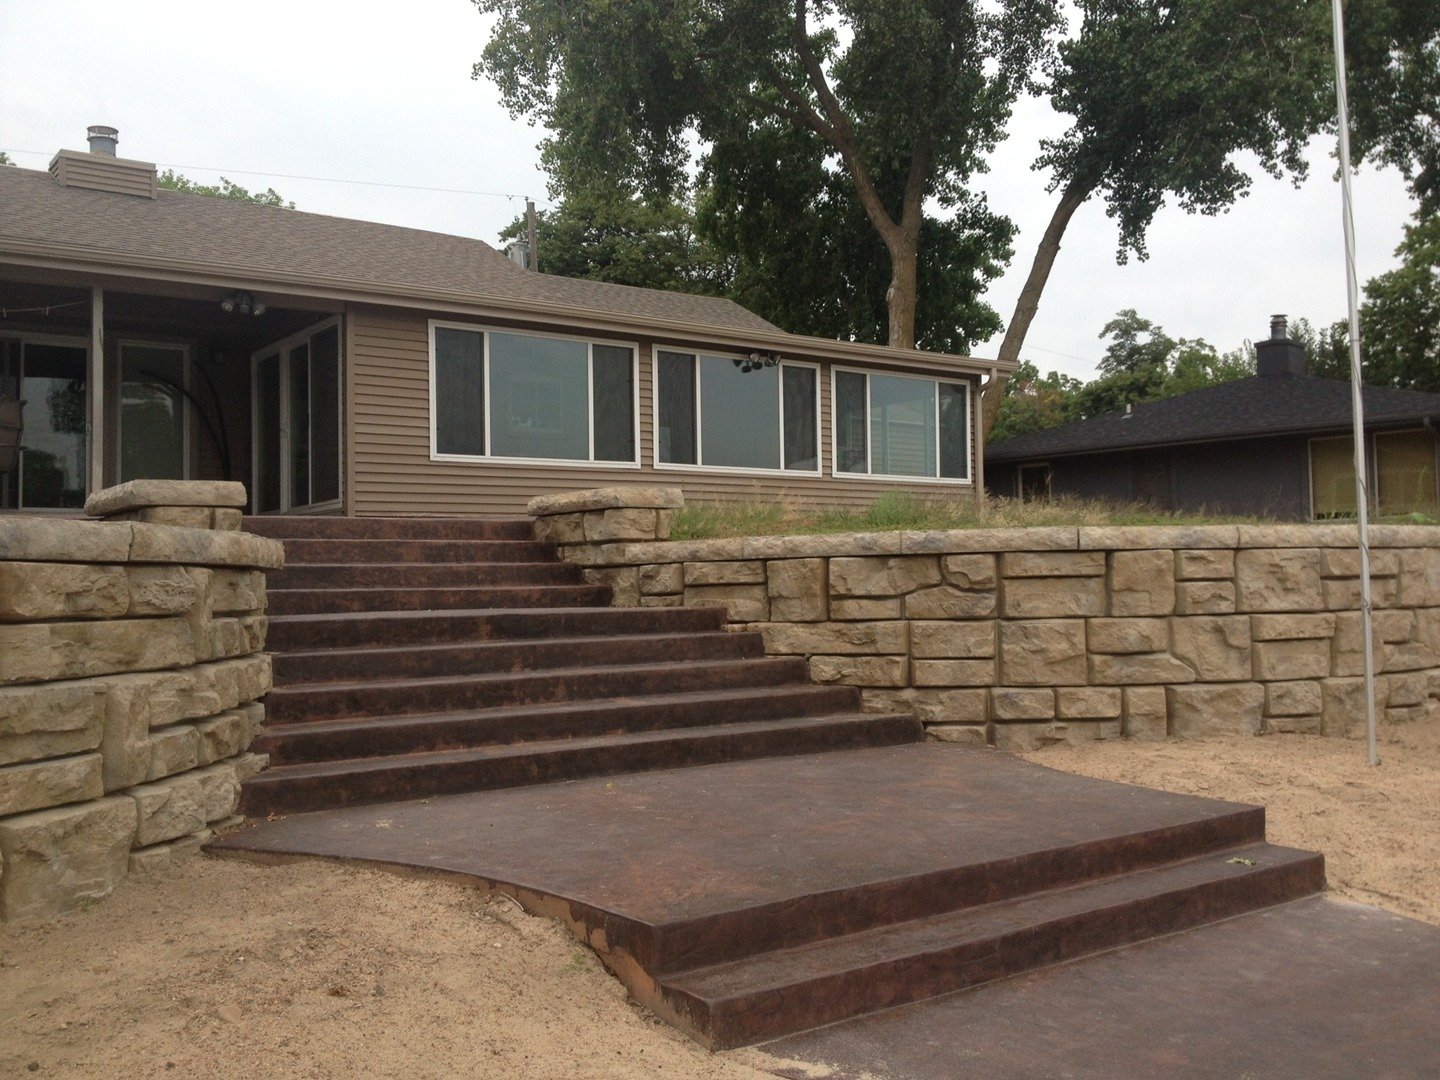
(389, 441)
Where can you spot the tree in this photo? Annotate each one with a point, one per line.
(1399, 319)
(904, 98)
(226, 189)
(611, 236)
(1033, 402)
(5, 158)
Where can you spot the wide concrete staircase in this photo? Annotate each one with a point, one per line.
(420, 657)
(830, 865)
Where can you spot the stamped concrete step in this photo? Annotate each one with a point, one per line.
(332, 601)
(422, 575)
(296, 788)
(289, 744)
(778, 993)
(288, 527)
(362, 629)
(406, 696)
(295, 667)
(313, 550)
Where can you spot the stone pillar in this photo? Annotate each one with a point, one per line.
(191, 504)
(601, 515)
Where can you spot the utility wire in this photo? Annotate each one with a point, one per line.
(320, 179)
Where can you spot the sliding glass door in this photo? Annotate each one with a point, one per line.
(154, 435)
(296, 407)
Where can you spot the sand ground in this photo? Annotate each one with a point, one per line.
(225, 969)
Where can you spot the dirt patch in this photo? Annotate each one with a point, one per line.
(1379, 827)
(227, 969)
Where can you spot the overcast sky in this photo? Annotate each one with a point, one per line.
(381, 92)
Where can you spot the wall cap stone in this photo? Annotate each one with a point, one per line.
(137, 494)
(628, 497)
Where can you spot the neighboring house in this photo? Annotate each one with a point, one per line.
(343, 366)
(1277, 444)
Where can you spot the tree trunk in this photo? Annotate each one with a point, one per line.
(1071, 199)
(900, 296)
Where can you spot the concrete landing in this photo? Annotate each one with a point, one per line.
(1314, 990)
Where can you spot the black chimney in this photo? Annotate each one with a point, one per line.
(1281, 356)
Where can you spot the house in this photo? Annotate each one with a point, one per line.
(1278, 444)
(343, 366)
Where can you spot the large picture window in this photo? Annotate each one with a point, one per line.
(502, 394)
(713, 413)
(903, 426)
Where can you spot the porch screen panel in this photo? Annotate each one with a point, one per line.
(459, 392)
(152, 412)
(902, 426)
(325, 416)
(802, 445)
(300, 425)
(1405, 473)
(539, 397)
(739, 415)
(267, 448)
(850, 423)
(675, 422)
(614, 402)
(1332, 477)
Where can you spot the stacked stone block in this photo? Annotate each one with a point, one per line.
(130, 677)
(1019, 637)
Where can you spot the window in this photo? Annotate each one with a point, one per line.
(901, 425)
(1403, 464)
(504, 394)
(711, 413)
(1032, 483)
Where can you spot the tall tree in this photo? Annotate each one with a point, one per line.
(904, 98)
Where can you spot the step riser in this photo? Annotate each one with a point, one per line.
(320, 702)
(416, 551)
(331, 601)
(309, 743)
(267, 794)
(828, 915)
(293, 669)
(334, 528)
(436, 576)
(784, 1011)
(361, 631)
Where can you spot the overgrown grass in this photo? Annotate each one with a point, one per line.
(898, 510)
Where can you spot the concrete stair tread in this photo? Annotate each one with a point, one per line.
(976, 925)
(548, 746)
(380, 652)
(756, 663)
(779, 993)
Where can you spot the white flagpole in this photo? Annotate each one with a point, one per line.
(1362, 495)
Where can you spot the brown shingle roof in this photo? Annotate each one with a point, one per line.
(243, 239)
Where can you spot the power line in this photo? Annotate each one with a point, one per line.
(321, 179)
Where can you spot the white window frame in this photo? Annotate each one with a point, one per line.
(281, 351)
(734, 470)
(485, 330)
(969, 478)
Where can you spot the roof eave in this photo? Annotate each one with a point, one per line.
(163, 268)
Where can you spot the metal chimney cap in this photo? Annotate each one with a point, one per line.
(1279, 330)
(103, 139)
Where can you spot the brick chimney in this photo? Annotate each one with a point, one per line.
(101, 170)
(1281, 357)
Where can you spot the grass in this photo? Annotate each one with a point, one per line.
(896, 510)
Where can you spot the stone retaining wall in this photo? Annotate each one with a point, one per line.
(130, 673)
(1020, 637)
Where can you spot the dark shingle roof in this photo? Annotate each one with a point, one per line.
(1245, 408)
(231, 237)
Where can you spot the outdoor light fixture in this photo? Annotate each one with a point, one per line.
(243, 303)
(757, 360)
